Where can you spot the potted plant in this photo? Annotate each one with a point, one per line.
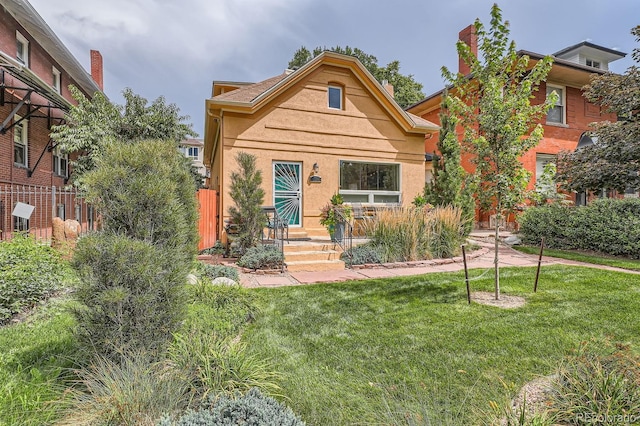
(330, 219)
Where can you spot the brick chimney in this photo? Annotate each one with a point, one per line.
(96, 68)
(468, 36)
(388, 87)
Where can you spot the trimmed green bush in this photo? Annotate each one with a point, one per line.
(29, 272)
(610, 226)
(262, 257)
(134, 271)
(132, 295)
(252, 409)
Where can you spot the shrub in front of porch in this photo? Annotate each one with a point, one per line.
(262, 257)
(412, 233)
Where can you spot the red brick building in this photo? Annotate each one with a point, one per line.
(565, 123)
(35, 72)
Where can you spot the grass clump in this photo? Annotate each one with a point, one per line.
(29, 272)
(134, 391)
(415, 233)
(598, 383)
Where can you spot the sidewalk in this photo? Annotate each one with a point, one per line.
(481, 259)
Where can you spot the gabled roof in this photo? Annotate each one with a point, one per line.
(27, 16)
(250, 98)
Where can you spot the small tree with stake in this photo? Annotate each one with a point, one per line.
(494, 107)
(248, 197)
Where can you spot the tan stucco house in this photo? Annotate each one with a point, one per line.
(326, 127)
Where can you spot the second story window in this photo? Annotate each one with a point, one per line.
(56, 80)
(335, 97)
(60, 162)
(192, 152)
(22, 49)
(20, 144)
(556, 115)
(592, 63)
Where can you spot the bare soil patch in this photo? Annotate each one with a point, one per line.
(505, 302)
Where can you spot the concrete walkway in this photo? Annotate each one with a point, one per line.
(481, 259)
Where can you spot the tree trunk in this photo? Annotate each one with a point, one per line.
(496, 256)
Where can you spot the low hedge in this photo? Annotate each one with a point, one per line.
(609, 226)
(29, 272)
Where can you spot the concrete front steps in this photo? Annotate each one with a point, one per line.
(311, 255)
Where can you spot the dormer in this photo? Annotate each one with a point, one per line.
(590, 55)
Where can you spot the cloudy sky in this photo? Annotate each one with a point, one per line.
(176, 48)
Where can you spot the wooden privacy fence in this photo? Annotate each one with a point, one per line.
(48, 202)
(208, 220)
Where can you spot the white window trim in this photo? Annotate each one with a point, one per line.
(24, 124)
(341, 97)
(57, 157)
(562, 103)
(22, 39)
(372, 193)
(56, 76)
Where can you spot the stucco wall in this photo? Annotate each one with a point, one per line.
(298, 126)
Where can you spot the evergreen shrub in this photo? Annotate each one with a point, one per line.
(609, 226)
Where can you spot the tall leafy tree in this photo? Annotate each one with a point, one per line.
(614, 161)
(494, 108)
(93, 123)
(407, 91)
(450, 184)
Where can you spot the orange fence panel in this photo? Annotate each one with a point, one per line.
(207, 208)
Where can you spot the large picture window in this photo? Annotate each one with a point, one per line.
(369, 182)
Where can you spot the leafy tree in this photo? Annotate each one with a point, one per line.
(451, 185)
(407, 91)
(614, 161)
(94, 123)
(495, 111)
(133, 271)
(248, 197)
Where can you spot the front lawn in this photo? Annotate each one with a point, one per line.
(411, 351)
(594, 258)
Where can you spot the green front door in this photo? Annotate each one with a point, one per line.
(287, 192)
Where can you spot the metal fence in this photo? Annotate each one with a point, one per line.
(48, 202)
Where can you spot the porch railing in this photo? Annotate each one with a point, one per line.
(344, 239)
(277, 230)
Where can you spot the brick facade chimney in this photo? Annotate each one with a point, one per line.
(96, 68)
(468, 36)
(388, 87)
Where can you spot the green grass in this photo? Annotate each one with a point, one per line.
(411, 351)
(34, 360)
(596, 259)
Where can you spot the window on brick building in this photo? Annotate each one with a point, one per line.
(557, 114)
(20, 143)
(22, 49)
(60, 162)
(56, 80)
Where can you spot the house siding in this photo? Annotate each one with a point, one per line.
(298, 126)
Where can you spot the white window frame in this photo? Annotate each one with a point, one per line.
(541, 161)
(371, 193)
(24, 140)
(562, 103)
(190, 152)
(592, 63)
(22, 40)
(56, 78)
(58, 158)
(339, 89)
